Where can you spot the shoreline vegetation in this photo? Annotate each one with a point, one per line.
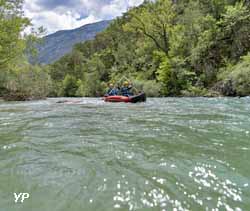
(167, 48)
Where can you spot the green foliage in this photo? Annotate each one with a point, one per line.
(152, 88)
(31, 41)
(155, 20)
(235, 31)
(165, 75)
(19, 80)
(93, 85)
(168, 48)
(193, 91)
(32, 82)
(239, 77)
(69, 86)
(12, 23)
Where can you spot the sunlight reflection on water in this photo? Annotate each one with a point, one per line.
(166, 154)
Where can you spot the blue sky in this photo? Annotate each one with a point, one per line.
(56, 15)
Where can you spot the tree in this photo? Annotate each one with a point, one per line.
(178, 47)
(12, 23)
(155, 20)
(69, 86)
(235, 31)
(25, 81)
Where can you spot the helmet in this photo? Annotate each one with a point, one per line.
(126, 83)
(111, 85)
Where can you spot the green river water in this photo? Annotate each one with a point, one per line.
(165, 154)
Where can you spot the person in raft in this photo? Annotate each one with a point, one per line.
(126, 89)
(112, 90)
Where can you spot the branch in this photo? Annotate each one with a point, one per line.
(144, 31)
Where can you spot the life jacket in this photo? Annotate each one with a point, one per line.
(112, 92)
(125, 91)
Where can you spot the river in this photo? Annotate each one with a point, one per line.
(165, 154)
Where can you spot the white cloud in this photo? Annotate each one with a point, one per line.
(55, 15)
(53, 21)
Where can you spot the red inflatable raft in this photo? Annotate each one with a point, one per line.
(131, 99)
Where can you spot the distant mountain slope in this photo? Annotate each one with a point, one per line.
(56, 45)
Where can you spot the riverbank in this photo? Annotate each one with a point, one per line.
(194, 92)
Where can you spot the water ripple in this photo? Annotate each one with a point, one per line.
(166, 154)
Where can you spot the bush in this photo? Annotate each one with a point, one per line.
(241, 77)
(237, 82)
(93, 87)
(193, 91)
(152, 89)
(81, 89)
(69, 86)
(28, 83)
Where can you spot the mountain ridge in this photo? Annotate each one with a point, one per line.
(56, 45)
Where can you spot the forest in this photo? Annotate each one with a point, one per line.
(166, 48)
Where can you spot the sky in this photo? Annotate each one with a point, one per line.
(56, 15)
